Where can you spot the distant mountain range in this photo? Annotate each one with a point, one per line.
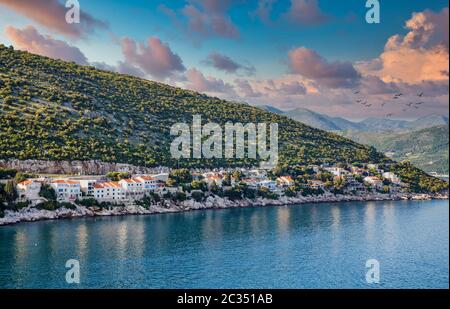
(329, 123)
(424, 141)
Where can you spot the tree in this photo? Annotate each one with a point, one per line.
(10, 191)
(48, 193)
(198, 196)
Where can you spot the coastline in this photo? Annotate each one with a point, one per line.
(30, 214)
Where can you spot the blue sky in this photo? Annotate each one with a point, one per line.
(340, 34)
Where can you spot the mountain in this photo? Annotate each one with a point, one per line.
(314, 119)
(383, 125)
(328, 123)
(430, 121)
(425, 148)
(54, 110)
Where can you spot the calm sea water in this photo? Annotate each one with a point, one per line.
(307, 246)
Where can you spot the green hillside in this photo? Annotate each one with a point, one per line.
(55, 110)
(425, 148)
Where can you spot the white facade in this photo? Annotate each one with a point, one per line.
(150, 183)
(109, 192)
(374, 182)
(29, 190)
(87, 186)
(392, 177)
(66, 190)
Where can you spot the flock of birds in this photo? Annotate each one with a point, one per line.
(397, 96)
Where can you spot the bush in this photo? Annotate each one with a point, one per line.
(48, 193)
(198, 196)
(180, 196)
(21, 205)
(67, 206)
(50, 205)
(88, 202)
(7, 173)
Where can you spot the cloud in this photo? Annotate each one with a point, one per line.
(306, 12)
(31, 40)
(153, 57)
(420, 55)
(245, 89)
(228, 65)
(292, 88)
(195, 80)
(204, 19)
(311, 65)
(51, 14)
(264, 10)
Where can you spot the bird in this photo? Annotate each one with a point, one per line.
(358, 101)
(356, 91)
(409, 104)
(419, 103)
(420, 94)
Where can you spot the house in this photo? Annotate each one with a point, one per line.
(87, 186)
(66, 190)
(316, 184)
(134, 188)
(374, 182)
(391, 177)
(269, 184)
(251, 183)
(285, 181)
(29, 189)
(213, 179)
(150, 183)
(161, 177)
(109, 192)
(337, 171)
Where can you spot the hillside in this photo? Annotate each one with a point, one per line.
(425, 148)
(55, 110)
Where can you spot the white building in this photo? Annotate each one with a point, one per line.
(87, 186)
(134, 188)
(66, 190)
(161, 177)
(111, 192)
(285, 181)
(392, 177)
(374, 182)
(269, 184)
(29, 189)
(150, 183)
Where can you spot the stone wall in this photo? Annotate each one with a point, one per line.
(92, 167)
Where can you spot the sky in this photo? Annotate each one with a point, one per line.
(317, 54)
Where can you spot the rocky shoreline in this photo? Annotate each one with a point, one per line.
(32, 214)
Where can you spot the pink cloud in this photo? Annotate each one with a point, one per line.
(228, 65)
(154, 58)
(311, 65)
(204, 19)
(31, 40)
(51, 14)
(420, 55)
(198, 82)
(306, 12)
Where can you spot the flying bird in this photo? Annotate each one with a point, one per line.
(420, 94)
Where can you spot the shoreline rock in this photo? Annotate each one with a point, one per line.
(32, 214)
